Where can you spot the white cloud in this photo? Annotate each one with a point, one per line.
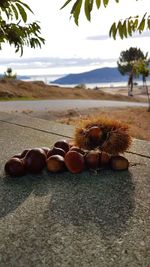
(53, 65)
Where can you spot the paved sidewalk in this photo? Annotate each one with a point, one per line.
(64, 220)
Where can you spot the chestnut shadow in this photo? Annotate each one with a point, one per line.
(14, 191)
(104, 199)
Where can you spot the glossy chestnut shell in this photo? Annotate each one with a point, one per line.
(15, 167)
(74, 161)
(63, 144)
(56, 163)
(35, 160)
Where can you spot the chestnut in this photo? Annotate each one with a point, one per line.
(15, 167)
(55, 163)
(119, 163)
(46, 149)
(63, 144)
(56, 151)
(18, 156)
(94, 132)
(104, 159)
(74, 161)
(35, 160)
(77, 149)
(92, 159)
(22, 155)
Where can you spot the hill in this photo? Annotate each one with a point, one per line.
(102, 75)
(39, 90)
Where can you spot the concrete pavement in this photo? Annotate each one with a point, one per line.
(90, 219)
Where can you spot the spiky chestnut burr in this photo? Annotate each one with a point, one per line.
(108, 135)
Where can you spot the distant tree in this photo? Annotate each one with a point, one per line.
(126, 64)
(124, 28)
(141, 67)
(14, 28)
(9, 74)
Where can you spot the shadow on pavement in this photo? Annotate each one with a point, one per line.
(13, 193)
(105, 199)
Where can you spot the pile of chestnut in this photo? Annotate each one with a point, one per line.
(61, 157)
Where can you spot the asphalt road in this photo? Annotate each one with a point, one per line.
(58, 105)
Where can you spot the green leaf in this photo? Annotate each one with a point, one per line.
(25, 5)
(88, 8)
(135, 24)
(76, 10)
(98, 3)
(15, 11)
(113, 30)
(124, 28)
(129, 28)
(66, 3)
(8, 14)
(22, 12)
(105, 2)
(120, 29)
(141, 26)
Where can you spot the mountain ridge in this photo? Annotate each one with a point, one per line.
(101, 75)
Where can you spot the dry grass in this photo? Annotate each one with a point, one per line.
(137, 118)
(39, 90)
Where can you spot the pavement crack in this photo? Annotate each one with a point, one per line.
(33, 128)
(133, 164)
(138, 154)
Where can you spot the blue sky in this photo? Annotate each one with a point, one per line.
(72, 49)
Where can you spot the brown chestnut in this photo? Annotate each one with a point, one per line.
(74, 161)
(92, 159)
(104, 159)
(15, 167)
(94, 132)
(35, 160)
(56, 163)
(119, 163)
(22, 155)
(46, 149)
(56, 151)
(77, 149)
(18, 156)
(63, 144)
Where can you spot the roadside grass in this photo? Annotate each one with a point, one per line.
(138, 119)
(17, 98)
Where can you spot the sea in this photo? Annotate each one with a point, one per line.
(49, 80)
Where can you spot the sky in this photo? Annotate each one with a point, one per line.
(73, 49)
